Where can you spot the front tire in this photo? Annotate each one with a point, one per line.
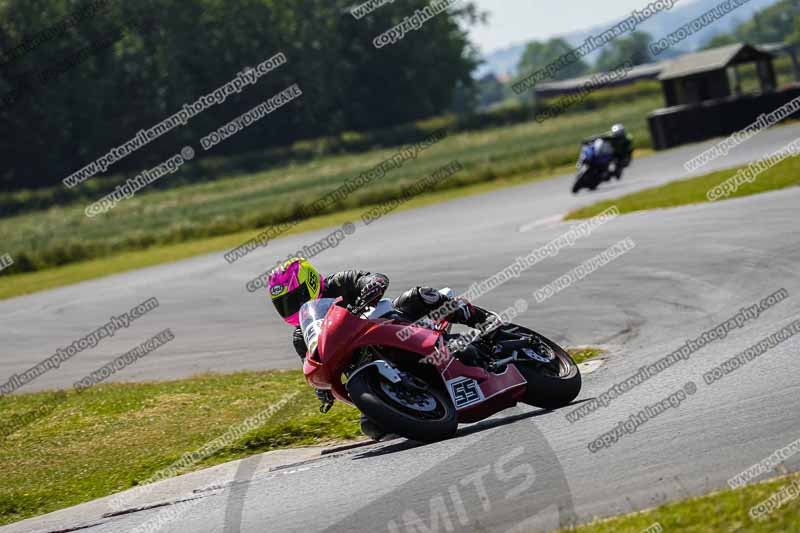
(390, 408)
(580, 182)
(586, 180)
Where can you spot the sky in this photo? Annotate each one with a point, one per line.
(518, 21)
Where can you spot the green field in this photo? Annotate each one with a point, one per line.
(225, 203)
(61, 235)
(694, 190)
(56, 452)
(28, 282)
(59, 449)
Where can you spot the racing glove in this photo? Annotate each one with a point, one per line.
(467, 314)
(373, 290)
(325, 398)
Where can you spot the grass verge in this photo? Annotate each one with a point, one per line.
(12, 285)
(226, 204)
(721, 512)
(62, 449)
(694, 190)
(59, 449)
(579, 355)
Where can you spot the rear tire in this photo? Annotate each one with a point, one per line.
(367, 393)
(550, 392)
(551, 385)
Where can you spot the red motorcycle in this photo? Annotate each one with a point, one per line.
(409, 383)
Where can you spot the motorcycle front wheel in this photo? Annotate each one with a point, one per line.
(424, 414)
(585, 179)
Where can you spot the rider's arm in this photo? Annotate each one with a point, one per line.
(350, 285)
(299, 343)
(353, 284)
(593, 138)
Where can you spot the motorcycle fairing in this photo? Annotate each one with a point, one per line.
(336, 345)
(475, 391)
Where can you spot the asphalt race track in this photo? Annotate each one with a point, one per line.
(691, 269)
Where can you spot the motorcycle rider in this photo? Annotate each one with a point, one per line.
(297, 282)
(622, 144)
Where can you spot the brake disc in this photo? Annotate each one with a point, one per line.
(408, 398)
(543, 353)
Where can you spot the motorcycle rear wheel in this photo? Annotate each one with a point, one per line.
(427, 416)
(550, 385)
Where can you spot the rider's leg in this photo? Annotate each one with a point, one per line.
(470, 355)
(617, 168)
(418, 302)
(421, 302)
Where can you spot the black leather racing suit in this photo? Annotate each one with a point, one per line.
(413, 304)
(350, 285)
(622, 146)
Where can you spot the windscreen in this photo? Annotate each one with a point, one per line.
(311, 316)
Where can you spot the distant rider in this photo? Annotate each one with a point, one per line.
(297, 282)
(622, 144)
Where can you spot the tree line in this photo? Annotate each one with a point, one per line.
(78, 78)
(779, 22)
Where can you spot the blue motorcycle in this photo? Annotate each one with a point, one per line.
(596, 164)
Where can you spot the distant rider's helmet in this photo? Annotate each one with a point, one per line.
(291, 285)
(618, 130)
